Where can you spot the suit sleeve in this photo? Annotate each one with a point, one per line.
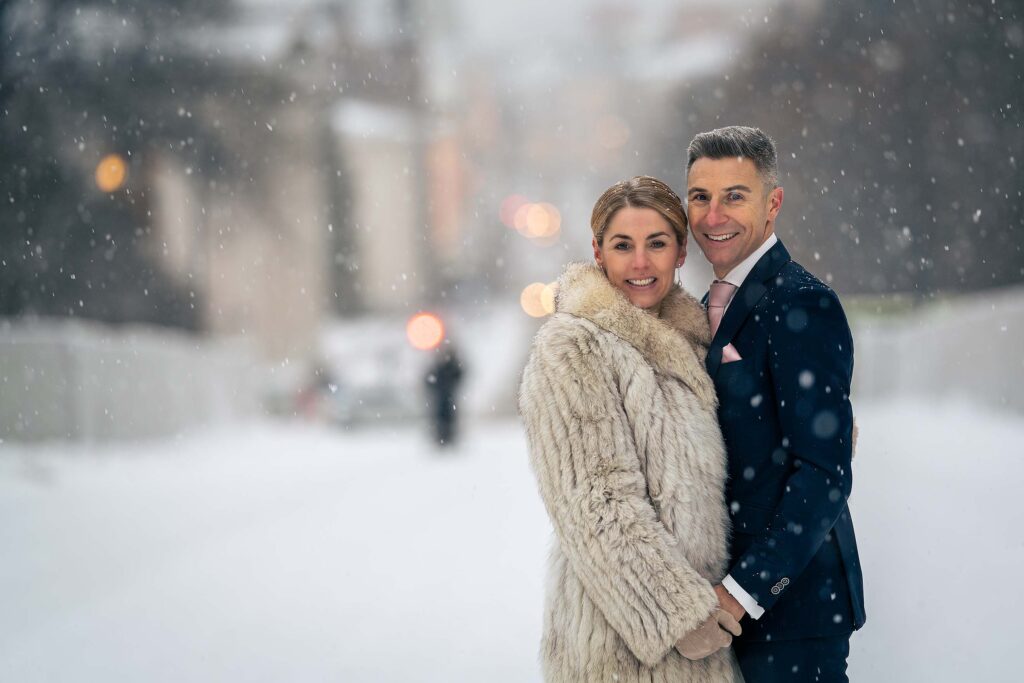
(590, 480)
(811, 365)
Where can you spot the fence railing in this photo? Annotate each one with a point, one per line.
(970, 347)
(77, 380)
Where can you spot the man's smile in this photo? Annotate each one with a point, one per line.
(721, 238)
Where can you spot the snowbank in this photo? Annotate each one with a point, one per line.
(280, 553)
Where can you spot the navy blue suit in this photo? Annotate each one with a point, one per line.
(787, 421)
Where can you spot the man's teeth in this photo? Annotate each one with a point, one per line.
(721, 238)
(641, 283)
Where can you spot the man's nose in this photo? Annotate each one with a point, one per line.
(715, 216)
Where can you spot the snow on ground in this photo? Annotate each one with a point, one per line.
(280, 552)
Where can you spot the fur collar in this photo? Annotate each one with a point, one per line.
(675, 343)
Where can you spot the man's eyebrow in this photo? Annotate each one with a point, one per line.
(728, 189)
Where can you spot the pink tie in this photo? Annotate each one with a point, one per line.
(719, 296)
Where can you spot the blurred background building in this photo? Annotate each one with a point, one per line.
(267, 175)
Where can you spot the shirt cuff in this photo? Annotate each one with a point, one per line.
(742, 597)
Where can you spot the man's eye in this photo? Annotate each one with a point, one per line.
(699, 197)
(735, 196)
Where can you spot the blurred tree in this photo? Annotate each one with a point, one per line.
(78, 80)
(900, 134)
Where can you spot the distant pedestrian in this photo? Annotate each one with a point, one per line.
(442, 382)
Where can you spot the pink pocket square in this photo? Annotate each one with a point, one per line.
(730, 354)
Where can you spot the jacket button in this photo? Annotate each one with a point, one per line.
(784, 581)
(776, 590)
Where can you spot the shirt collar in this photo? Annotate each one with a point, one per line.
(737, 275)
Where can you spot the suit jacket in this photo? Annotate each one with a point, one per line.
(786, 417)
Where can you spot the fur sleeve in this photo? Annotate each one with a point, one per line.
(589, 477)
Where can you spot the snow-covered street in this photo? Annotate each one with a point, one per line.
(280, 552)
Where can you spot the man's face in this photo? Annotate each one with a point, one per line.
(731, 212)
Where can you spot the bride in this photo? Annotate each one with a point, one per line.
(629, 460)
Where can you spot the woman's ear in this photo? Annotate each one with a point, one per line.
(597, 253)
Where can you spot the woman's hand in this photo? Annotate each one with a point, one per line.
(715, 633)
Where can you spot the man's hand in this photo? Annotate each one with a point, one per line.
(729, 603)
(715, 633)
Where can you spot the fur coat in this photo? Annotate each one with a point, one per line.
(620, 417)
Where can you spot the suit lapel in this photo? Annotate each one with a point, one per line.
(755, 286)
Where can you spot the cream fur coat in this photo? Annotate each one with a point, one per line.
(624, 441)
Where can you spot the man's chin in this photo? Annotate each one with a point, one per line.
(722, 265)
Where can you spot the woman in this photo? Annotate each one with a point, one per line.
(620, 419)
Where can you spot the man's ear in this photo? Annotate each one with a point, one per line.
(774, 203)
(597, 252)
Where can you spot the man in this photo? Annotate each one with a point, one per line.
(781, 358)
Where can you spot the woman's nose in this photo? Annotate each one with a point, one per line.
(640, 258)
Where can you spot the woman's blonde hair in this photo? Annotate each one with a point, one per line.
(644, 192)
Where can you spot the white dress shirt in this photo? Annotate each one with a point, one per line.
(736, 276)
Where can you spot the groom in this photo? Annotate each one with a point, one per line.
(781, 358)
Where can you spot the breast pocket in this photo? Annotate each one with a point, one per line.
(743, 394)
(736, 379)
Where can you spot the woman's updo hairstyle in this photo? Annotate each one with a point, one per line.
(642, 192)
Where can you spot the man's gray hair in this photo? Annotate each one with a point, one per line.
(738, 141)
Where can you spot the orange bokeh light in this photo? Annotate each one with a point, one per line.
(111, 172)
(547, 297)
(425, 331)
(530, 300)
(543, 224)
(519, 219)
(509, 207)
(538, 222)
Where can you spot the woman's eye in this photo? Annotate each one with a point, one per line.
(657, 244)
(621, 246)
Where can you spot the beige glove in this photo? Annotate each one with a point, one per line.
(710, 636)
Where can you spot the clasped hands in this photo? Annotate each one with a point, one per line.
(716, 632)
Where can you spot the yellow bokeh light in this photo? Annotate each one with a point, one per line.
(111, 173)
(509, 207)
(425, 331)
(530, 300)
(519, 218)
(547, 297)
(538, 221)
(554, 220)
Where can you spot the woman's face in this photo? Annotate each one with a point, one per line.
(640, 254)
